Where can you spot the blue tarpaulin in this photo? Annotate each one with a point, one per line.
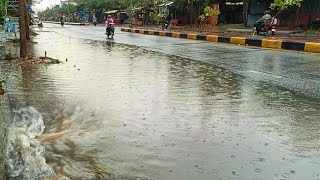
(9, 26)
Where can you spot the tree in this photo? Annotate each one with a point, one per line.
(27, 20)
(22, 30)
(99, 6)
(281, 5)
(285, 4)
(2, 9)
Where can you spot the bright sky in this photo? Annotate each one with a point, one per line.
(44, 4)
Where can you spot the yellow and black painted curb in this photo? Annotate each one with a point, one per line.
(264, 43)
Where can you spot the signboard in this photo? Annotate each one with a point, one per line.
(9, 27)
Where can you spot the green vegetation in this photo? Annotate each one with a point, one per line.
(285, 4)
(150, 8)
(208, 12)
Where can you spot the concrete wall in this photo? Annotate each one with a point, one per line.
(252, 19)
(302, 20)
(5, 117)
(255, 11)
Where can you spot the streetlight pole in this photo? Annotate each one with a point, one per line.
(192, 13)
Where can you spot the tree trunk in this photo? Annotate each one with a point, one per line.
(192, 16)
(22, 29)
(27, 18)
(27, 26)
(298, 17)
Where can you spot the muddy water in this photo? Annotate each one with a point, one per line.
(120, 112)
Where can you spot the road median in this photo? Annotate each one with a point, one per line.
(311, 47)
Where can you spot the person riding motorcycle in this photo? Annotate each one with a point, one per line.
(94, 20)
(164, 24)
(108, 23)
(266, 21)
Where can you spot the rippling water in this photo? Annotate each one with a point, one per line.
(120, 112)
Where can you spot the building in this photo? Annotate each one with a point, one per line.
(234, 12)
(73, 2)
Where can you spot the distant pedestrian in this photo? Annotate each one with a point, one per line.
(61, 20)
(133, 21)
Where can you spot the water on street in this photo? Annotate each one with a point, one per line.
(146, 107)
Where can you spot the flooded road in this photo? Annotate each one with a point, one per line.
(118, 111)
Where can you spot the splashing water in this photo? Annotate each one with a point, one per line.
(35, 152)
(26, 158)
(65, 152)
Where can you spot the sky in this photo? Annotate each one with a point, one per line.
(44, 4)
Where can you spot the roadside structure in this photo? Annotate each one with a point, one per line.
(10, 19)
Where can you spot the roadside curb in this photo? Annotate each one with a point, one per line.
(68, 23)
(264, 43)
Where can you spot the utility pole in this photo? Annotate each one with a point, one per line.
(22, 30)
(245, 13)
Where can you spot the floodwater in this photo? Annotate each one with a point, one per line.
(114, 111)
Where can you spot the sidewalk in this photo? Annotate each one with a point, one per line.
(283, 33)
(284, 43)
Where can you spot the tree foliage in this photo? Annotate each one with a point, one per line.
(2, 7)
(285, 4)
(151, 8)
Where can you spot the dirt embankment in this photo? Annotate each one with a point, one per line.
(34, 60)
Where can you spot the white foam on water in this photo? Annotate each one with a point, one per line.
(26, 158)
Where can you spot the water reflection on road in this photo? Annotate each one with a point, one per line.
(121, 111)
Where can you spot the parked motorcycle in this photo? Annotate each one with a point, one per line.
(165, 25)
(110, 30)
(265, 30)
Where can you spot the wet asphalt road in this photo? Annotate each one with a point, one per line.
(295, 71)
(148, 107)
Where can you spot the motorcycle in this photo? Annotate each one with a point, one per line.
(40, 24)
(165, 25)
(95, 22)
(110, 30)
(267, 30)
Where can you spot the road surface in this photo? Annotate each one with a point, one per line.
(148, 107)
